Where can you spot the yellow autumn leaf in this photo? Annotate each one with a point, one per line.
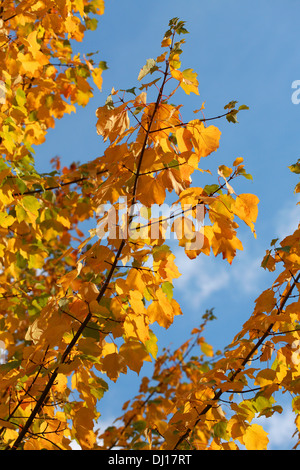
(134, 355)
(265, 377)
(6, 220)
(205, 140)
(136, 302)
(207, 349)
(246, 209)
(236, 428)
(237, 161)
(255, 438)
(34, 332)
(136, 326)
(9, 434)
(37, 260)
(183, 137)
(34, 46)
(66, 280)
(30, 64)
(158, 193)
(165, 117)
(88, 291)
(60, 384)
(188, 80)
(135, 280)
(97, 77)
(161, 310)
(64, 218)
(100, 6)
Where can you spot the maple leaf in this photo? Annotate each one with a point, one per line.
(112, 122)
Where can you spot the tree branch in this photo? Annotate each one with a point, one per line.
(244, 362)
(40, 402)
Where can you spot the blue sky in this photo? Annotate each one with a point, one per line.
(246, 51)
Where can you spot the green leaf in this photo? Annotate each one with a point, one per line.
(63, 303)
(230, 105)
(151, 345)
(167, 288)
(20, 97)
(97, 392)
(130, 90)
(274, 241)
(295, 168)
(147, 85)
(31, 204)
(159, 251)
(243, 106)
(91, 331)
(245, 175)
(231, 117)
(212, 189)
(286, 249)
(265, 261)
(103, 65)
(91, 23)
(150, 67)
(9, 366)
(220, 430)
(21, 185)
(140, 425)
(261, 403)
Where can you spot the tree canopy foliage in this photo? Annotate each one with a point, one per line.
(77, 310)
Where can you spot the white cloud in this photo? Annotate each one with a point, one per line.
(287, 220)
(200, 278)
(205, 277)
(280, 429)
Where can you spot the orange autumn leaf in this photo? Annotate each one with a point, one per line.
(266, 301)
(83, 425)
(161, 310)
(80, 292)
(113, 364)
(112, 122)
